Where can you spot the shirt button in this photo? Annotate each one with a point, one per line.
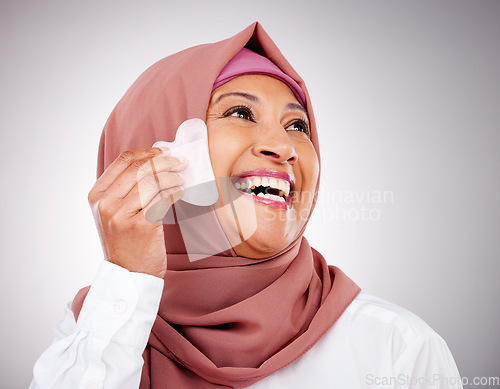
(92, 384)
(120, 307)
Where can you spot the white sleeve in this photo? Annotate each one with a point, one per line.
(427, 363)
(104, 348)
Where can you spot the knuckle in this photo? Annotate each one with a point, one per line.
(91, 197)
(116, 221)
(104, 208)
(139, 166)
(126, 156)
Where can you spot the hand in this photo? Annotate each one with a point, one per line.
(129, 201)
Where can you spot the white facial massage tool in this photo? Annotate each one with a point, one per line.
(191, 142)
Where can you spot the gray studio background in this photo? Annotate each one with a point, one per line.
(406, 95)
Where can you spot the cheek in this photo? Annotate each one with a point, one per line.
(218, 152)
(309, 174)
(309, 167)
(225, 145)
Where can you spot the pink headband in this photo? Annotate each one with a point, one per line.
(249, 62)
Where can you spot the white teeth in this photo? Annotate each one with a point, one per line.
(284, 187)
(273, 197)
(252, 182)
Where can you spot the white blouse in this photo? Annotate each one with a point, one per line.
(374, 344)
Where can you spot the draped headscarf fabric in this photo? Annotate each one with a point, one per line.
(224, 321)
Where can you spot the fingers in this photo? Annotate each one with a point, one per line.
(150, 186)
(121, 163)
(136, 190)
(147, 174)
(129, 168)
(156, 165)
(157, 202)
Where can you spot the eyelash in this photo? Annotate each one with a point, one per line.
(303, 123)
(248, 111)
(240, 108)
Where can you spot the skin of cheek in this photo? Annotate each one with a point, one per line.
(310, 175)
(308, 166)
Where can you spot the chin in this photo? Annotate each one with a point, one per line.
(257, 249)
(254, 229)
(268, 240)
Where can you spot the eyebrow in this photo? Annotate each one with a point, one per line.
(245, 95)
(295, 106)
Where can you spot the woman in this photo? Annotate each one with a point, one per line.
(229, 295)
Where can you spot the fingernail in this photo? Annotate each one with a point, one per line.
(182, 159)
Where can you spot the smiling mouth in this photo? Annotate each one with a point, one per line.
(268, 187)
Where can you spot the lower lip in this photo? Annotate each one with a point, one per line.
(278, 204)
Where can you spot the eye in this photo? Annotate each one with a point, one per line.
(240, 112)
(299, 125)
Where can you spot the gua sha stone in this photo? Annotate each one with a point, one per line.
(191, 142)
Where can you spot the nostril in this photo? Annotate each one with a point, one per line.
(270, 153)
(280, 153)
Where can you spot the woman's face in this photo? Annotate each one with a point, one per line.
(264, 161)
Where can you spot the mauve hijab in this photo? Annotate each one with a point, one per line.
(224, 321)
(247, 61)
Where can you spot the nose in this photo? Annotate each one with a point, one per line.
(275, 145)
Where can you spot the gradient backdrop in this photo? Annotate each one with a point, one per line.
(407, 100)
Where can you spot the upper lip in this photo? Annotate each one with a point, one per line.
(268, 173)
